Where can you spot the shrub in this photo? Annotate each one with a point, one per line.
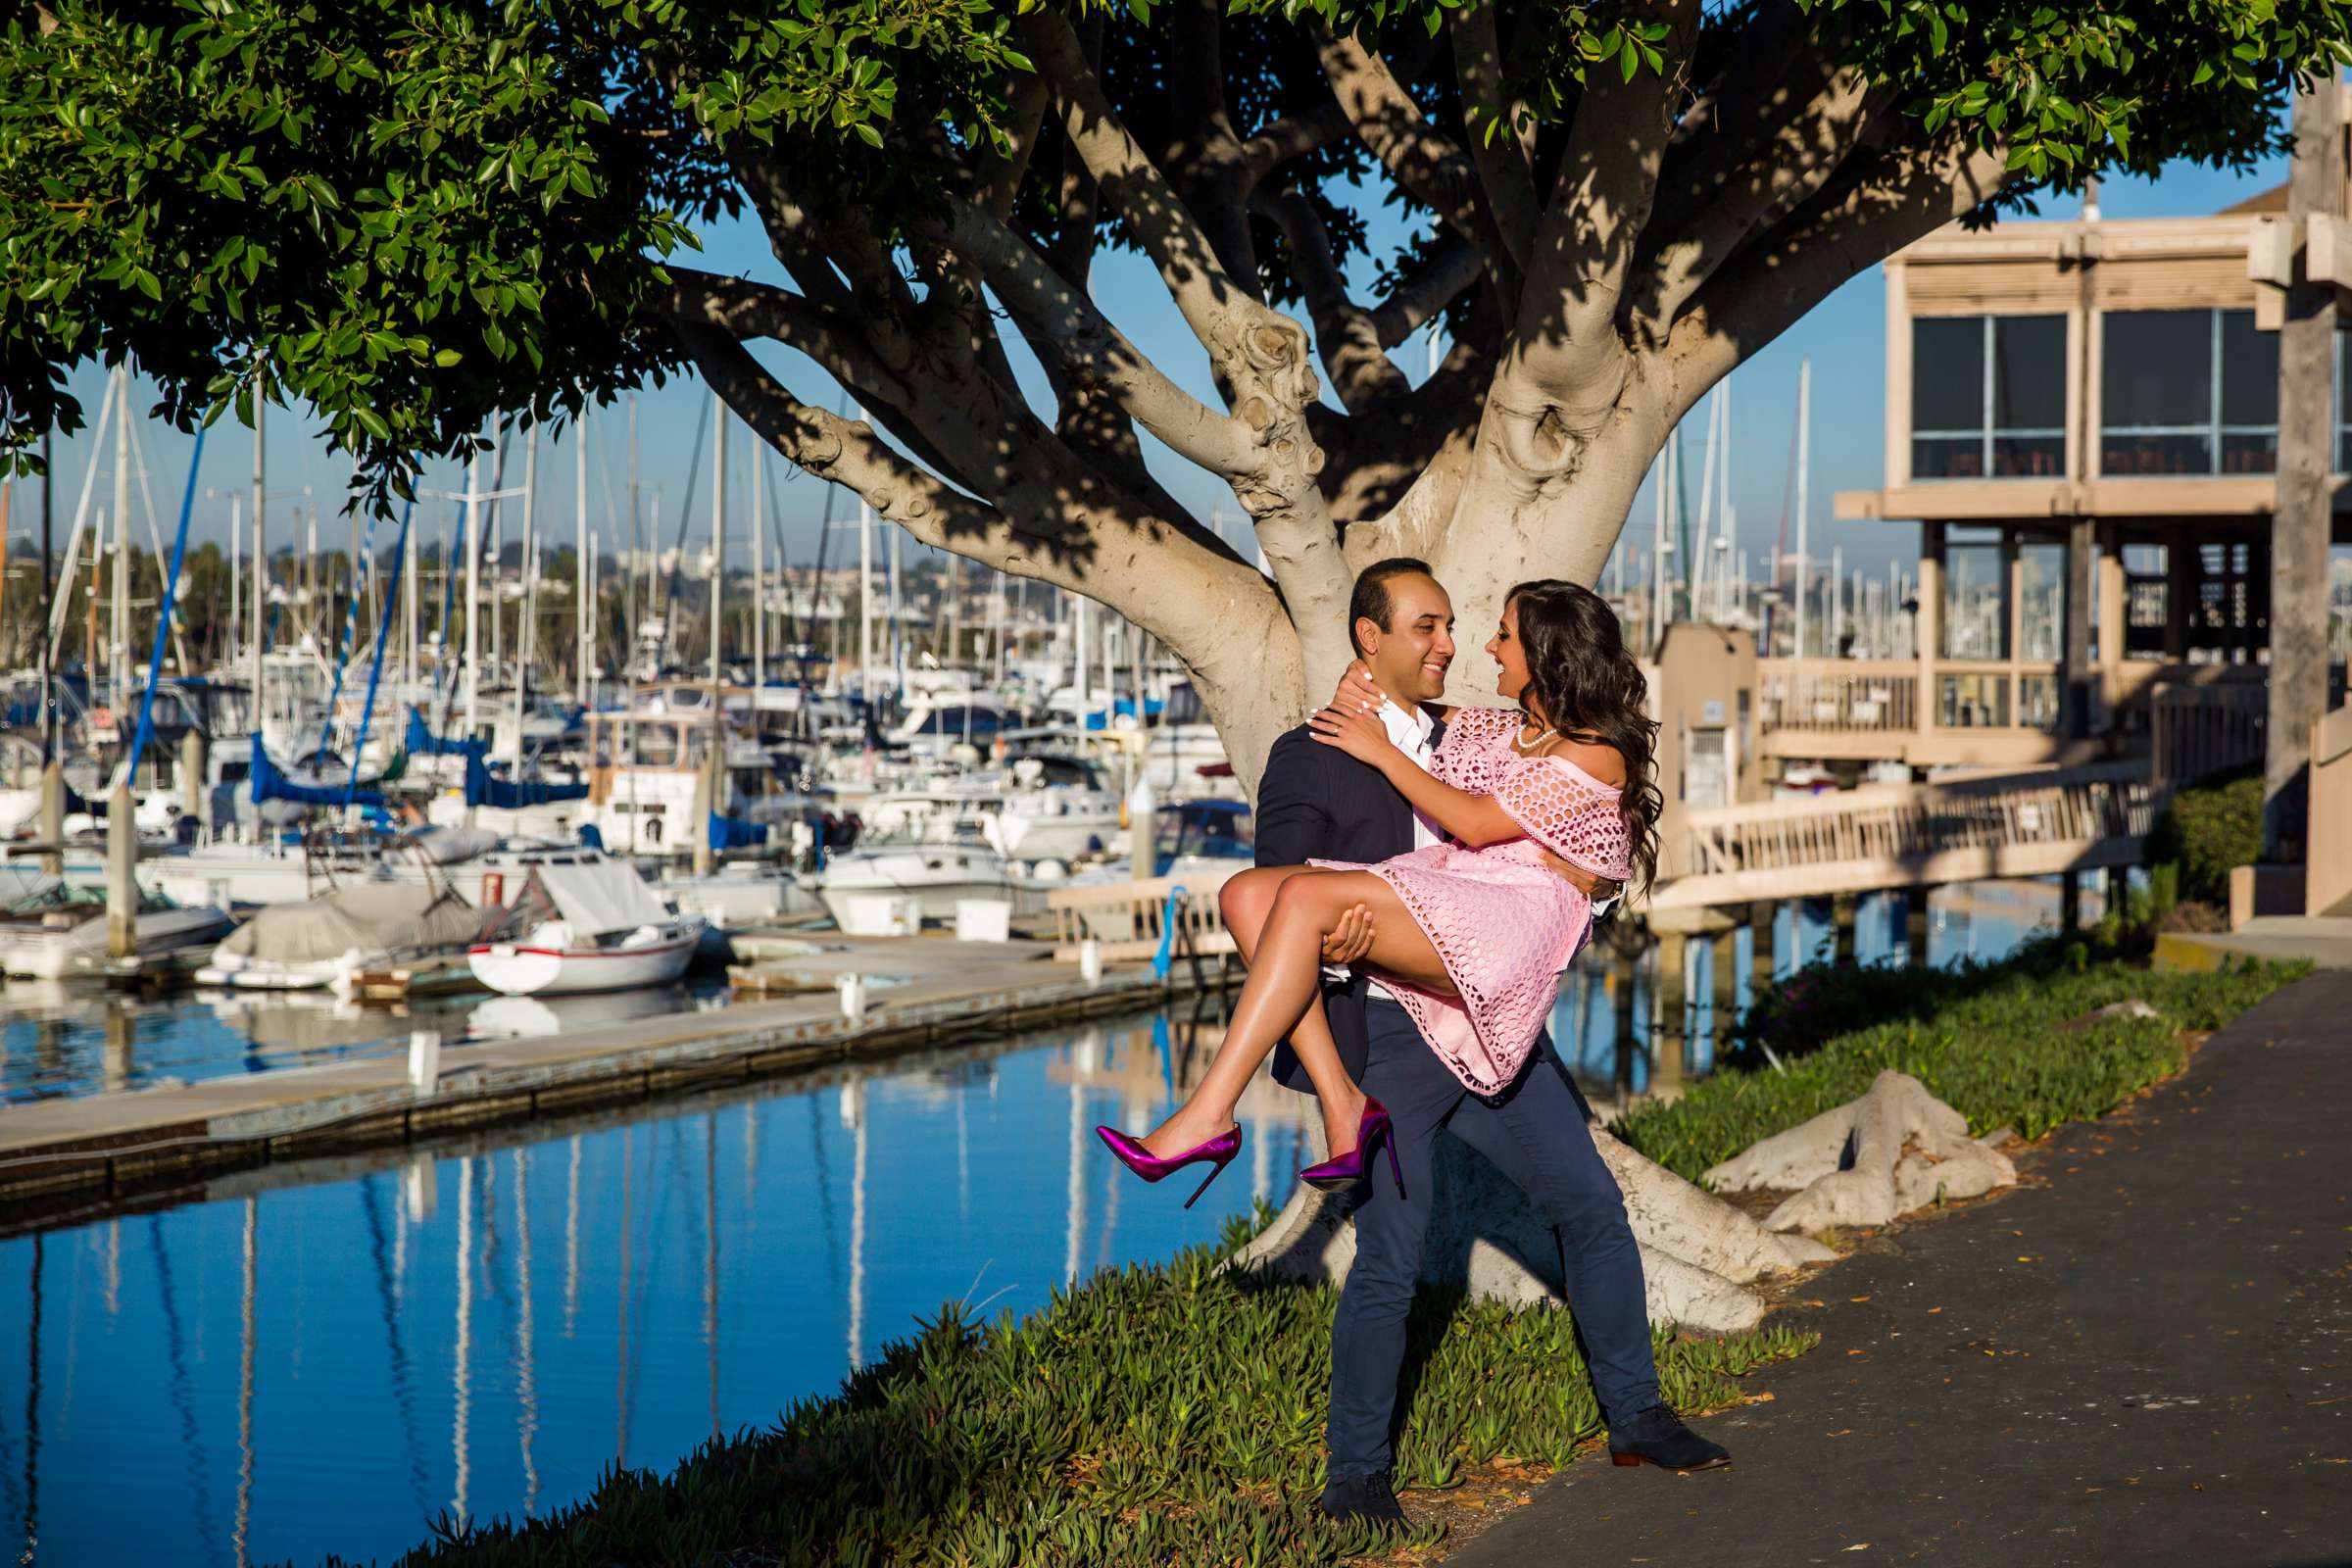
(1992, 1053)
(1169, 1413)
(2208, 828)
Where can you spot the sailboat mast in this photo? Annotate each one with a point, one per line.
(759, 567)
(119, 624)
(526, 635)
(718, 546)
(260, 578)
(585, 585)
(473, 591)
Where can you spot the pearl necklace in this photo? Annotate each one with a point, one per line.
(1522, 745)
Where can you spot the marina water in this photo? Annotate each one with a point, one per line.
(324, 1356)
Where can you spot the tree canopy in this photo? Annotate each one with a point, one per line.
(417, 214)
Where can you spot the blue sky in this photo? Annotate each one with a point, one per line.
(1844, 338)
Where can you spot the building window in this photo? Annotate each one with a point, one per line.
(2187, 393)
(1988, 397)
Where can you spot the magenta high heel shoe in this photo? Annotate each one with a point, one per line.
(1218, 1151)
(1346, 1170)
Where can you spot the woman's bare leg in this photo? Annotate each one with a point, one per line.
(1284, 983)
(1246, 901)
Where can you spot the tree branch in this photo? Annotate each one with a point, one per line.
(1091, 350)
(1438, 174)
(1905, 195)
(742, 307)
(1176, 581)
(1209, 298)
(1353, 357)
(1566, 350)
(1001, 174)
(1451, 269)
(1293, 137)
(1803, 155)
(1502, 163)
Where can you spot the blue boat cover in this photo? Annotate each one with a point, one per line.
(504, 794)
(268, 784)
(422, 742)
(734, 833)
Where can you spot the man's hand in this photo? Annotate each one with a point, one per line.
(1596, 888)
(1350, 938)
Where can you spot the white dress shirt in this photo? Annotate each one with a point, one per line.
(1410, 731)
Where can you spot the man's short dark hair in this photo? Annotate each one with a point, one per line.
(1370, 601)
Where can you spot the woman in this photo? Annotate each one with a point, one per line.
(1472, 934)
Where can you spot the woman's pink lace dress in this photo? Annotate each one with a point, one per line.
(1504, 925)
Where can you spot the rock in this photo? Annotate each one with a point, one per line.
(2129, 1008)
(1699, 1253)
(1894, 1150)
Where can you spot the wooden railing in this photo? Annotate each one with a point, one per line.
(1908, 835)
(1837, 694)
(2197, 730)
(1129, 917)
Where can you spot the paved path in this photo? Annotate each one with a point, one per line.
(2146, 1361)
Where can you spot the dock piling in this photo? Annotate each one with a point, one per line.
(53, 818)
(122, 883)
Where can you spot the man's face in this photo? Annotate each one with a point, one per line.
(1408, 656)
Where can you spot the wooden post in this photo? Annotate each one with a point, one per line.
(1669, 1040)
(2115, 617)
(1930, 619)
(2070, 900)
(1916, 926)
(2301, 529)
(53, 818)
(1725, 976)
(1841, 923)
(121, 882)
(2078, 704)
(192, 794)
(1624, 991)
(705, 803)
(1760, 923)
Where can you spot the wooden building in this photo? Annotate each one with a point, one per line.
(2093, 404)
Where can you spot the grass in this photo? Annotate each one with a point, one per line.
(1983, 1039)
(1169, 1415)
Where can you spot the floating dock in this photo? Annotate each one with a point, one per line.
(920, 991)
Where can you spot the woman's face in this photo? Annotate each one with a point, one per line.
(1505, 649)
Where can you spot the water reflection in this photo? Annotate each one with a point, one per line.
(484, 1327)
(60, 1038)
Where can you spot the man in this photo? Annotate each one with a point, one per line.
(1317, 802)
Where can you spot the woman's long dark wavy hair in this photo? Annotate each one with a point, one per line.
(1589, 687)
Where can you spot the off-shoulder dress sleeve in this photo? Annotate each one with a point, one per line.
(1570, 813)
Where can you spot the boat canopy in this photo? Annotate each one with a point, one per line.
(481, 789)
(420, 741)
(269, 784)
(597, 895)
(368, 918)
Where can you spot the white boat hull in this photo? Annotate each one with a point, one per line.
(81, 948)
(936, 877)
(545, 964)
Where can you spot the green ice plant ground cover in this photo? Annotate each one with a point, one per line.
(1988, 1046)
(1167, 1414)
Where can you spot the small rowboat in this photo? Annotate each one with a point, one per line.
(589, 925)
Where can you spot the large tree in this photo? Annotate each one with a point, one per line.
(414, 213)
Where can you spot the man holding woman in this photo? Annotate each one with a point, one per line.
(1457, 853)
